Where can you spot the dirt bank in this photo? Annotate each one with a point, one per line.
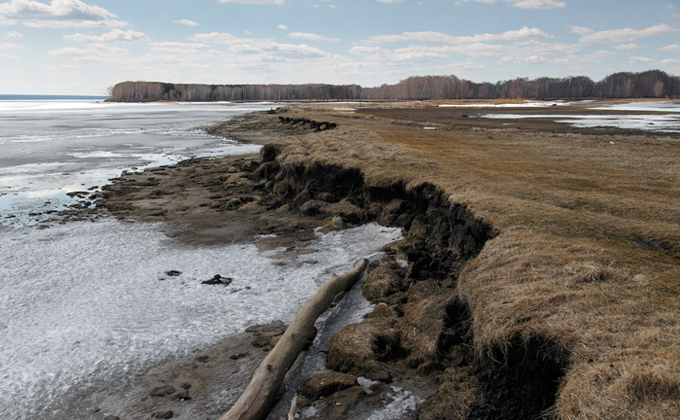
(542, 261)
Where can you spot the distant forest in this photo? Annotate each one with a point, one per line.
(648, 84)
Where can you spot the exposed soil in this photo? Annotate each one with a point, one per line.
(421, 331)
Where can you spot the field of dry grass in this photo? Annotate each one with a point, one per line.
(588, 251)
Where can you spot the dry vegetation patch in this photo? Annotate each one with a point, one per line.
(586, 269)
(569, 311)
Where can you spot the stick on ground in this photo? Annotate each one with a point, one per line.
(260, 395)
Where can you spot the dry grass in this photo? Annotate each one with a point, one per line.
(589, 246)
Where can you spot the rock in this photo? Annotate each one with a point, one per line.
(182, 396)
(325, 384)
(162, 391)
(173, 273)
(217, 279)
(337, 222)
(79, 194)
(238, 356)
(163, 414)
(337, 405)
(267, 335)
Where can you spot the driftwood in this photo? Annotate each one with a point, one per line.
(260, 395)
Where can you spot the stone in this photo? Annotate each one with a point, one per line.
(162, 391)
(325, 384)
(218, 279)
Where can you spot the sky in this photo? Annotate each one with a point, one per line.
(83, 47)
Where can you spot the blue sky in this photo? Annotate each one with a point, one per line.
(85, 46)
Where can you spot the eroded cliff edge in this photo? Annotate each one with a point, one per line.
(562, 314)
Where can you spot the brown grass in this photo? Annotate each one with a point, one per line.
(589, 246)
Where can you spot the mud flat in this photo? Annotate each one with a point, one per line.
(538, 275)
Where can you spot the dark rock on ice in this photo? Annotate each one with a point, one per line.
(173, 273)
(218, 279)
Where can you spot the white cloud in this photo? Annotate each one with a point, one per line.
(116, 35)
(253, 1)
(419, 53)
(14, 34)
(581, 30)
(56, 14)
(101, 53)
(173, 48)
(516, 35)
(629, 46)
(641, 60)
(389, 1)
(186, 22)
(470, 65)
(592, 58)
(622, 35)
(524, 4)
(459, 2)
(538, 4)
(311, 37)
(266, 49)
(282, 27)
(673, 48)
(519, 52)
(10, 46)
(530, 59)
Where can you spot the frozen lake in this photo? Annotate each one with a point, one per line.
(48, 148)
(661, 117)
(84, 303)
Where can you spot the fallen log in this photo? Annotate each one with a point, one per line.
(258, 398)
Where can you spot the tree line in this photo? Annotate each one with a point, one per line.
(648, 84)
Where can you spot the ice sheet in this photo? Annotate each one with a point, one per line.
(525, 104)
(664, 123)
(87, 302)
(49, 148)
(666, 106)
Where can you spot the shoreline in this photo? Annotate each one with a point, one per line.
(468, 299)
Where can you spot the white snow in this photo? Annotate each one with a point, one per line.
(662, 106)
(525, 104)
(403, 401)
(84, 303)
(649, 122)
(87, 302)
(48, 148)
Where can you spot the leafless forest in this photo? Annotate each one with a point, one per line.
(649, 84)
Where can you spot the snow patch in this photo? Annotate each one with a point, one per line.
(86, 302)
(403, 401)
